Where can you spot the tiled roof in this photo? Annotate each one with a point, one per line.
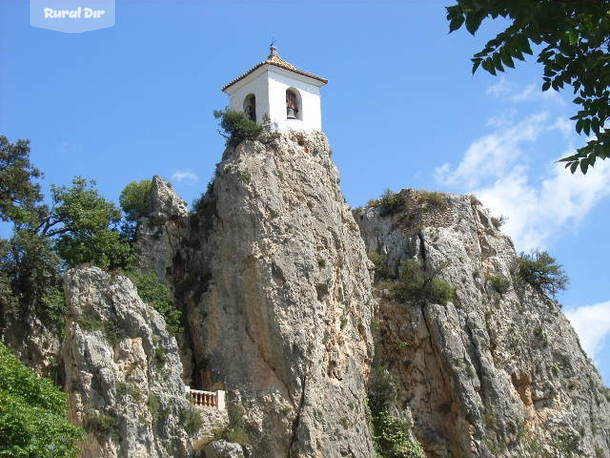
(276, 60)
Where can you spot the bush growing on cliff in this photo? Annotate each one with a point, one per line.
(436, 200)
(392, 438)
(541, 270)
(236, 126)
(156, 294)
(33, 414)
(391, 435)
(389, 202)
(379, 262)
(499, 283)
(415, 284)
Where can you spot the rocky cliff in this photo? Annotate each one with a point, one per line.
(162, 231)
(277, 295)
(299, 309)
(496, 371)
(122, 371)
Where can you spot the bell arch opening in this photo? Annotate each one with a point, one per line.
(294, 108)
(250, 107)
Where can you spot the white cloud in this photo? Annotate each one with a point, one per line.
(539, 211)
(184, 175)
(502, 119)
(592, 324)
(515, 93)
(500, 88)
(565, 126)
(491, 155)
(538, 208)
(527, 93)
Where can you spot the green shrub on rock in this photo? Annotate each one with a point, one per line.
(541, 270)
(135, 198)
(499, 283)
(236, 126)
(156, 294)
(390, 202)
(415, 284)
(392, 438)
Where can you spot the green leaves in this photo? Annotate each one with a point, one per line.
(18, 192)
(541, 270)
(33, 414)
(83, 225)
(237, 126)
(154, 292)
(455, 17)
(134, 199)
(575, 36)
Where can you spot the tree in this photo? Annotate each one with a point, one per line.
(18, 193)
(135, 199)
(79, 226)
(33, 414)
(84, 227)
(541, 270)
(31, 269)
(574, 40)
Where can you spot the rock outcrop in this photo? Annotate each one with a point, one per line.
(161, 232)
(35, 343)
(122, 371)
(273, 276)
(277, 294)
(498, 371)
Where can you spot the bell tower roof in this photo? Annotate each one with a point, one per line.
(275, 60)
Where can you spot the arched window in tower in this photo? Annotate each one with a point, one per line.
(293, 104)
(250, 107)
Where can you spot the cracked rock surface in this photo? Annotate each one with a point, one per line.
(277, 294)
(488, 374)
(162, 230)
(122, 371)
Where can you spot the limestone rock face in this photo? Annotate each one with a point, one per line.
(122, 371)
(36, 344)
(278, 299)
(223, 449)
(491, 373)
(162, 230)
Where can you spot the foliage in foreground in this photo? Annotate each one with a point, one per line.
(156, 294)
(236, 126)
(541, 270)
(415, 284)
(574, 40)
(33, 414)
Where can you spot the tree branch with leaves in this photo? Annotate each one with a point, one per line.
(573, 43)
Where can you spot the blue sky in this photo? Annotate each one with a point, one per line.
(401, 110)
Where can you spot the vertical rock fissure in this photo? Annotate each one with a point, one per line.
(437, 355)
(297, 418)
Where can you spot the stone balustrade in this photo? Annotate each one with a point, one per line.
(201, 398)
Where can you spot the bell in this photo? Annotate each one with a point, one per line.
(290, 113)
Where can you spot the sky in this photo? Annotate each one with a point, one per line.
(401, 110)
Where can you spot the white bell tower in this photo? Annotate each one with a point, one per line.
(277, 91)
